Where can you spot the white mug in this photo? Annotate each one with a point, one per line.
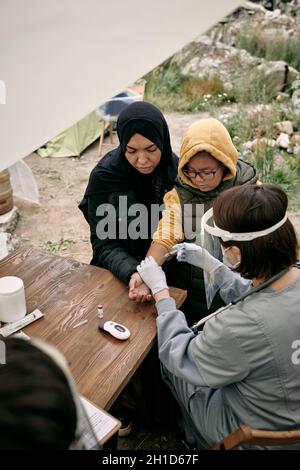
(12, 299)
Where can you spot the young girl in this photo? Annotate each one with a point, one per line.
(208, 165)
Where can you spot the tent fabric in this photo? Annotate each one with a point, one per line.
(62, 59)
(74, 140)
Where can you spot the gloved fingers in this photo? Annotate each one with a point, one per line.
(192, 247)
(181, 256)
(178, 246)
(183, 247)
(149, 261)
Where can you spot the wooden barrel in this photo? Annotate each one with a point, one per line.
(6, 198)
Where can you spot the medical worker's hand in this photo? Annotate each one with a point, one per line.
(197, 256)
(152, 275)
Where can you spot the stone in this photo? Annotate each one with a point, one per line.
(282, 96)
(272, 15)
(284, 126)
(261, 144)
(247, 5)
(279, 161)
(206, 58)
(8, 244)
(278, 74)
(296, 95)
(295, 139)
(253, 17)
(3, 245)
(8, 221)
(247, 146)
(296, 150)
(283, 141)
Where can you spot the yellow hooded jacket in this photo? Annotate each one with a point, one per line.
(204, 135)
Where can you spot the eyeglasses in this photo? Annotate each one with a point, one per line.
(206, 175)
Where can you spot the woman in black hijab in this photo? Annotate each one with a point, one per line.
(141, 170)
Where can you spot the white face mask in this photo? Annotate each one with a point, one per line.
(226, 259)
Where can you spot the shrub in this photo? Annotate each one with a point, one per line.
(260, 44)
(170, 90)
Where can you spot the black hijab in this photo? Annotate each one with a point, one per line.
(114, 173)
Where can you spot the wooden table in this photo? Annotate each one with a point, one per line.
(67, 292)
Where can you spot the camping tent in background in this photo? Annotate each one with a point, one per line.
(62, 59)
(74, 140)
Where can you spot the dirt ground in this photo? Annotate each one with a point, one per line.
(57, 224)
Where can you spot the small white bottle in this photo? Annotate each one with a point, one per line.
(12, 299)
(100, 311)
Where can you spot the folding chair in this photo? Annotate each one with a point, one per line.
(109, 111)
(257, 437)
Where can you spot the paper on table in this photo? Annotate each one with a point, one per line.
(101, 422)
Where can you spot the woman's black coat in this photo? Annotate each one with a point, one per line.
(113, 177)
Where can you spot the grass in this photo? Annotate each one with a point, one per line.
(170, 90)
(243, 126)
(51, 174)
(54, 247)
(278, 47)
(55, 177)
(253, 88)
(285, 176)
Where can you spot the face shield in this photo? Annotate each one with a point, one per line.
(192, 215)
(210, 235)
(212, 244)
(210, 227)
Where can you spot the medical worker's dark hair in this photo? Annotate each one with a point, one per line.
(252, 208)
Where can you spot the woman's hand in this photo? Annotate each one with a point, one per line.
(135, 281)
(138, 290)
(140, 294)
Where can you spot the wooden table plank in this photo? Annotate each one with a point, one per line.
(67, 292)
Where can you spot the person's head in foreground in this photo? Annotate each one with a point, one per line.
(37, 403)
(255, 208)
(207, 156)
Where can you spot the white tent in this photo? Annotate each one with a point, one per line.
(59, 60)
